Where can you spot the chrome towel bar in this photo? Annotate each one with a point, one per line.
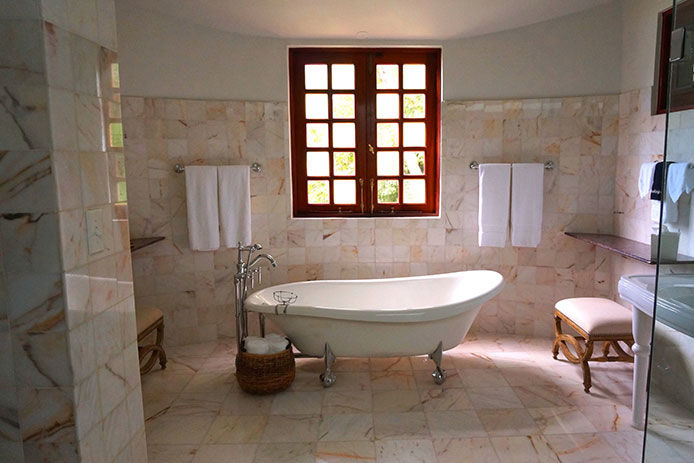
(255, 167)
(549, 165)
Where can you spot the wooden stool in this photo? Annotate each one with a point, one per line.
(147, 320)
(596, 320)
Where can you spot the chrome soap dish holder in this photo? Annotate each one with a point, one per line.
(284, 298)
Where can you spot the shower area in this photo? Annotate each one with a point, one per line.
(669, 413)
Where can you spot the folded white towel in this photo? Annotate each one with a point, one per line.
(670, 212)
(526, 204)
(203, 209)
(680, 179)
(277, 343)
(234, 205)
(256, 345)
(494, 195)
(646, 178)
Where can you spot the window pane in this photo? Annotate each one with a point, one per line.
(386, 76)
(317, 164)
(387, 134)
(343, 135)
(414, 76)
(387, 163)
(343, 76)
(413, 105)
(387, 106)
(318, 192)
(316, 106)
(387, 191)
(345, 191)
(414, 163)
(414, 134)
(317, 135)
(414, 191)
(316, 76)
(344, 163)
(343, 106)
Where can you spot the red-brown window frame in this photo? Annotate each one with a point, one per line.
(365, 60)
(680, 100)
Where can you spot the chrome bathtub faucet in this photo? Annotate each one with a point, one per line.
(246, 272)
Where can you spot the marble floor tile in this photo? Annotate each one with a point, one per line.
(405, 451)
(581, 448)
(444, 399)
(398, 401)
(482, 378)
(464, 423)
(608, 417)
(627, 444)
(542, 395)
(467, 360)
(297, 403)
(526, 376)
(351, 364)
(202, 349)
(507, 422)
(170, 453)
(390, 364)
(285, 453)
(236, 429)
(345, 452)
(346, 427)
(392, 380)
(337, 402)
(161, 381)
(475, 449)
(411, 425)
(212, 382)
(291, 428)
(217, 453)
(524, 449)
(242, 403)
(177, 429)
(505, 400)
(560, 420)
(493, 397)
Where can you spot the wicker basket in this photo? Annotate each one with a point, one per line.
(265, 373)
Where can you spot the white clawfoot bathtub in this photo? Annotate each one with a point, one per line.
(381, 317)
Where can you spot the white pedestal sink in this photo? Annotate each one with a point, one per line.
(675, 309)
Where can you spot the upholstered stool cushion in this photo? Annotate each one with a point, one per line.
(596, 316)
(146, 317)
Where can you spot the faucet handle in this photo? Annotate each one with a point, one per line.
(256, 247)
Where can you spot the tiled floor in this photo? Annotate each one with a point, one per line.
(505, 400)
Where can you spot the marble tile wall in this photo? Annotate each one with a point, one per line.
(642, 139)
(67, 322)
(195, 290)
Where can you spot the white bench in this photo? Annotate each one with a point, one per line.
(595, 319)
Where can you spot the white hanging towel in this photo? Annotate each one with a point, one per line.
(680, 179)
(495, 188)
(203, 209)
(235, 205)
(526, 204)
(646, 175)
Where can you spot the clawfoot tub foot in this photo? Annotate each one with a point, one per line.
(328, 378)
(439, 373)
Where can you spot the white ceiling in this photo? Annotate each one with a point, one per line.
(381, 19)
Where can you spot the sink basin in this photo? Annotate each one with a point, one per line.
(675, 298)
(675, 309)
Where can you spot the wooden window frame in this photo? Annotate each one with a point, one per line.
(679, 100)
(365, 61)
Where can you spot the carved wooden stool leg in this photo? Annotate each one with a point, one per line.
(586, 368)
(160, 339)
(557, 334)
